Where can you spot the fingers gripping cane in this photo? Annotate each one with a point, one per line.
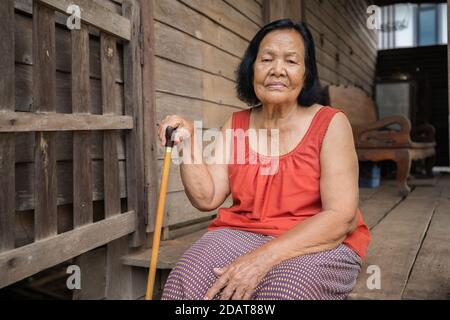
(160, 212)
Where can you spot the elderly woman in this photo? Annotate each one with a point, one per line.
(295, 232)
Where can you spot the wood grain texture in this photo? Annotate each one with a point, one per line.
(81, 103)
(7, 145)
(96, 15)
(27, 260)
(44, 121)
(44, 94)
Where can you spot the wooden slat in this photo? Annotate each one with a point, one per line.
(44, 95)
(96, 15)
(226, 16)
(395, 243)
(187, 20)
(430, 277)
(380, 204)
(24, 52)
(134, 108)
(27, 260)
(81, 102)
(25, 180)
(177, 46)
(110, 158)
(148, 8)
(50, 121)
(7, 149)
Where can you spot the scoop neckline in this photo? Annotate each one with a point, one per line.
(299, 144)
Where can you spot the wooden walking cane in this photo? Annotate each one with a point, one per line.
(160, 212)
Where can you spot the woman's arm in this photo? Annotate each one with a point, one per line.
(206, 185)
(323, 231)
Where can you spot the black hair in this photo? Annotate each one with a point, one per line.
(311, 92)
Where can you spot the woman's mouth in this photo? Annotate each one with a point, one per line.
(276, 85)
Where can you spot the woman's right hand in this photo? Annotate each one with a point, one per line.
(184, 129)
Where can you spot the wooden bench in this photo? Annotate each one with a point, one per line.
(375, 140)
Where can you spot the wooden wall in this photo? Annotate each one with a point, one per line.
(25, 142)
(198, 46)
(346, 49)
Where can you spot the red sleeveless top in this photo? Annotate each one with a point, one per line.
(270, 197)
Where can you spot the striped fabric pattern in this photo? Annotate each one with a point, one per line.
(328, 275)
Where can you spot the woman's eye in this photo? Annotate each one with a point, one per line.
(292, 61)
(266, 60)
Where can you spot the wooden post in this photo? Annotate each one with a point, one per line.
(134, 108)
(281, 9)
(148, 82)
(81, 102)
(7, 148)
(44, 96)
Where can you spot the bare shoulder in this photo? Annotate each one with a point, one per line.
(339, 128)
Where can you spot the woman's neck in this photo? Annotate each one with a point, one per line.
(273, 116)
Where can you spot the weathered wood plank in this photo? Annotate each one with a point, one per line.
(395, 243)
(181, 80)
(179, 47)
(148, 96)
(64, 150)
(44, 93)
(134, 108)
(290, 9)
(96, 15)
(7, 145)
(24, 52)
(114, 278)
(430, 276)
(81, 102)
(46, 121)
(24, 96)
(110, 157)
(187, 20)
(226, 16)
(25, 183)
(249, 8)
(27, 260)
(380, 204)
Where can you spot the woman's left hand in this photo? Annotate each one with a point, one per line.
(239, 279)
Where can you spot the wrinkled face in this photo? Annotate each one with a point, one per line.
(279, 69)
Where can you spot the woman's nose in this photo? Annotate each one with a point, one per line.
(278, 68)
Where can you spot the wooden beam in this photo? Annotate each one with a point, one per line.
(134, 108)
(44, 96)
(96, 15)
(51, 121)
(7, 144)
(25, 261)
(81, 102)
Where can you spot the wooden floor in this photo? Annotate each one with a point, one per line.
(410, 242)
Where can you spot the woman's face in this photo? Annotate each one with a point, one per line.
(279, 69)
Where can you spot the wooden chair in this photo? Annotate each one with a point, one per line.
(375, 140)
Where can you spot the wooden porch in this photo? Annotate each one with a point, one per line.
(410, 242)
